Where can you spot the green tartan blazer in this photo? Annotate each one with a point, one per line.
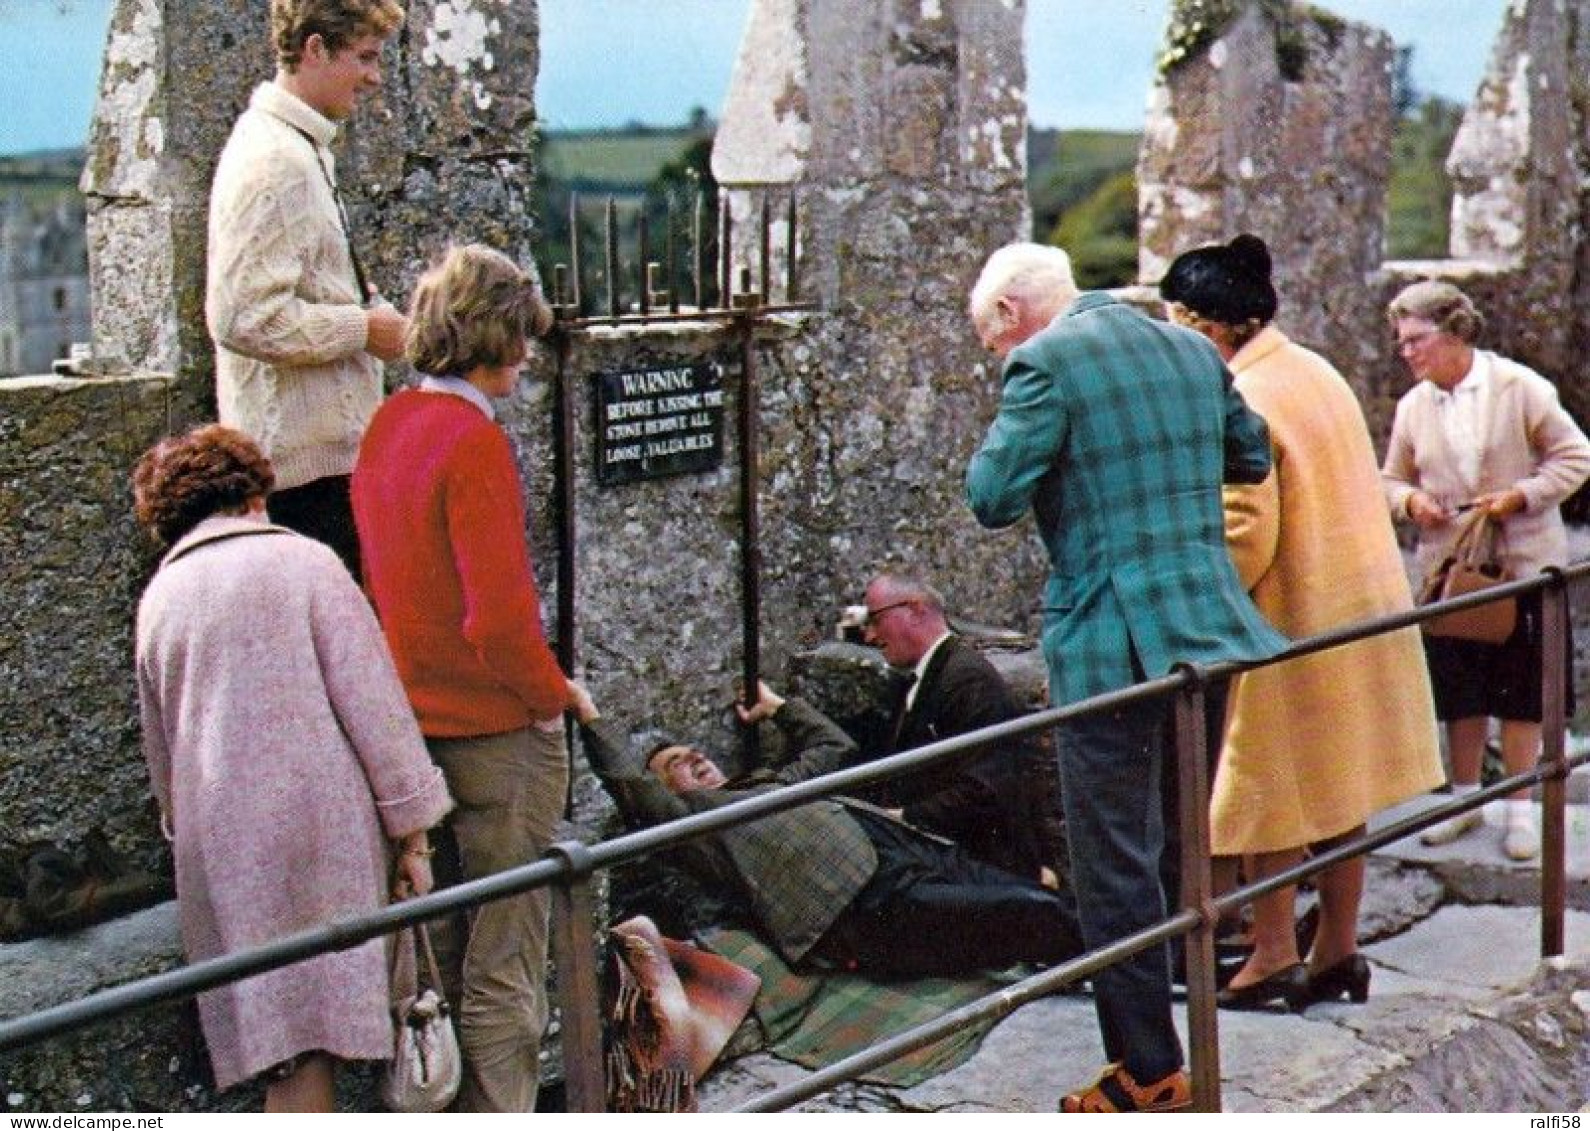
(1117, 430)
(797, 870)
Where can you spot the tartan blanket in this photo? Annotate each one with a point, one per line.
(818, 1019)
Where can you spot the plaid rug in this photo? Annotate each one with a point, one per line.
(819, 1019)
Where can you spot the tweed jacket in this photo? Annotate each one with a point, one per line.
(1530, 443)
(1317, 745)
(1116, 430)
(281, 299)
(989, 803)
(798, 870)
(284, 756)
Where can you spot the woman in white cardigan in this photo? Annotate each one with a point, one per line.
(1480, 431)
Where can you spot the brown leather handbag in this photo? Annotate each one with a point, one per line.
(1473, 565)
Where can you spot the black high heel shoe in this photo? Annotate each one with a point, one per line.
(1288, 986)
(1350, 976)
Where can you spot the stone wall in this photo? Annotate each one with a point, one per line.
(901, 125)
(69, 754)
(1262, 126)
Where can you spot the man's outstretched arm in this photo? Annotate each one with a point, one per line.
(640, 797)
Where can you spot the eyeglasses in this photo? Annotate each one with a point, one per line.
(874, 614)
(1417, 341)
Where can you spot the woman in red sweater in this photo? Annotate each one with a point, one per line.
(437, 501)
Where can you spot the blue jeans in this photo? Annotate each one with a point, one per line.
(1110, 785)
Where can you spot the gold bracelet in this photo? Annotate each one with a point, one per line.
(422, 852)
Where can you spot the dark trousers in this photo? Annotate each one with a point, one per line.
(1216, 694)
(931, 909)
(321, 509)
(1110, 766)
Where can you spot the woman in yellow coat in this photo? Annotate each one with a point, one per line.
(1316, 744)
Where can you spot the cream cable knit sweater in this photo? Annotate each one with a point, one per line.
(281, 301)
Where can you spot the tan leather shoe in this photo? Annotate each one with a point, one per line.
(1116, 1091)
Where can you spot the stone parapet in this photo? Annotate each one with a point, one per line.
(75, 566)
(901, 128)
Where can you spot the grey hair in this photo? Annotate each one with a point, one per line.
(1440, 304)
(1031, 270)
(911, 587)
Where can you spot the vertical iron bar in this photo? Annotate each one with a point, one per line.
(766, 250)
(642, 258)
(1191, 754)
(563, 502)
(725, 254)
(750, 529)
(698, 237)
(611, 225)
(574, 250)
(579, 989)
(673, 261)
(1553, 753)
(789, 251)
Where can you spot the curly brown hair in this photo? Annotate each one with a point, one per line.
(474, 307)
(337, 22)
(185, 479)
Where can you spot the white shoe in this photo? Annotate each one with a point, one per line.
(1452, 828)
(1521, 842)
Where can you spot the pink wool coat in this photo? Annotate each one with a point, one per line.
(284, 755)
(1316, 745)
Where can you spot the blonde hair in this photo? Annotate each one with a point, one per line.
(337, 22)
(474, 307)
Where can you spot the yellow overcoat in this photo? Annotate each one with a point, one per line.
(1315, 745)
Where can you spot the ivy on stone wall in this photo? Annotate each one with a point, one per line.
(1195, 24)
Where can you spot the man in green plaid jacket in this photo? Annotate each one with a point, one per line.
(1116, 431)
(837, 881)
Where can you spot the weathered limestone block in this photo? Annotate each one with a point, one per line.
(1266, 123)
(1520, 165)
(1511, 161)
(75, 566)
(901, 127)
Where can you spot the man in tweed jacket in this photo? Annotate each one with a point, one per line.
(1116, 431)
(837, 880)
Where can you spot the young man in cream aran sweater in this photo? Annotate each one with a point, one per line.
(299, 336)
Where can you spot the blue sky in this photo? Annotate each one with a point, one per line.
(607, 62)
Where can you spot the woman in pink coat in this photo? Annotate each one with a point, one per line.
(1481, 432)
(287, 764)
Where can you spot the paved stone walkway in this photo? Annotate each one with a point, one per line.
(1462, 1014)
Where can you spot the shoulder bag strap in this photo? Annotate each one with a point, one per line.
(359, 278)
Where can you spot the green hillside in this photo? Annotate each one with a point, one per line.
(41, 178)
(617, 161)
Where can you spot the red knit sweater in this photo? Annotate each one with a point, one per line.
(436, 497)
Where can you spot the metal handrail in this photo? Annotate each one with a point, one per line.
(570, 865)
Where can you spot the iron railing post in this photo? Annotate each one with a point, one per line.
(1191, 754)
(579, 987)
(1554, 755)
(750, 424)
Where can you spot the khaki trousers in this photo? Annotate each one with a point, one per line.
(509, 789)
